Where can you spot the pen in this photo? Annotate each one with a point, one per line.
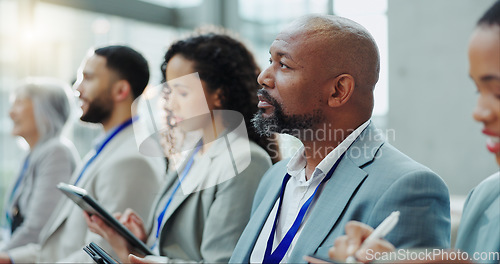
(382, 230)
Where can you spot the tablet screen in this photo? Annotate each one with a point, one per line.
(88, 204)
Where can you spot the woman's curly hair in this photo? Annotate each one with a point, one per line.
(224, 63)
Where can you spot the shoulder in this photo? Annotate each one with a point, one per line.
(259, 156)
(480, 218)
(376, 156)
(123, 156)
(58, 148)
(243, 147)
(54, 144)
(490, 185)
(399, 161)
(124, 147)
(393, 177)
(250, 159)
(274, 172)
(394, 165)
(486, 192)
(272, 177)
(243, 153)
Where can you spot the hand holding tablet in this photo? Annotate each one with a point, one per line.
(89, 205)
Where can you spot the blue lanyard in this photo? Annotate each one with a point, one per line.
(16, 187)
(284, 245)
(20, 178)
(183, 175)
(105, 142)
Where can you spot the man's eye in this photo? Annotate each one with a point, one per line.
(270, 61)
(283, 66)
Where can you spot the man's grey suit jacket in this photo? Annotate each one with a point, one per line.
(372, 180)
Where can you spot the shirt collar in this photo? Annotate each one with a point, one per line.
(297, 163)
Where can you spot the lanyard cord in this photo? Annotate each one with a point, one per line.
(183, 175)
(284, 245)
(105, 142)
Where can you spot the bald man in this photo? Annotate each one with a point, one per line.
(319, 88)
(479, 233)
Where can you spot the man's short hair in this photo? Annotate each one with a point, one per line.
(129, 64)
(492, 16)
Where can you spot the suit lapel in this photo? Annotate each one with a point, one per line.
(328, 208)
(185, 190)
(198, 174)
(170, 179)
(337, 193)
(63, 208)
(178, 199)
(60, 214)
(66, 205)
(259, 217)
(27, 179)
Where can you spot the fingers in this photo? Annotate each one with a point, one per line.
(93, 227)
(351, 242)
(4, 258)
(378, 245)
(138, 230)
(133, 222)
(98, 226)
(87, 218)
(128, 218)
(339, 249)
(356, 233)
(117, 215)
(131, 216)
(137, 219)
(134, 259)
(128, 212)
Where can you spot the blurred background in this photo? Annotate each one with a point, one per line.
(424, 97)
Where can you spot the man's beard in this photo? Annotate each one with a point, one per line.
(279, 122)
(99, 109)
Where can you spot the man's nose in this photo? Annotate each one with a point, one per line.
(266, 78)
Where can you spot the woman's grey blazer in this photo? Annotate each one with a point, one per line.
(206, 217)
(50, 162)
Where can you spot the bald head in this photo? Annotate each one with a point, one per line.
(346, 46)
(322, 70)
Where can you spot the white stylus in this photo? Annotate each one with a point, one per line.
(381, 231)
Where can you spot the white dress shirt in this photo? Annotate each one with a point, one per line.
(297, 192)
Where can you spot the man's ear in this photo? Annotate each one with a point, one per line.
(121, 90)
(343, 88)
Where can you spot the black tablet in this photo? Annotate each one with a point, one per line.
(88, 204)
(99, 255)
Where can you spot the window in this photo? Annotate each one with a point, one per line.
(372, 14)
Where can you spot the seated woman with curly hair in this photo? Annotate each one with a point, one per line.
(210, 87)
